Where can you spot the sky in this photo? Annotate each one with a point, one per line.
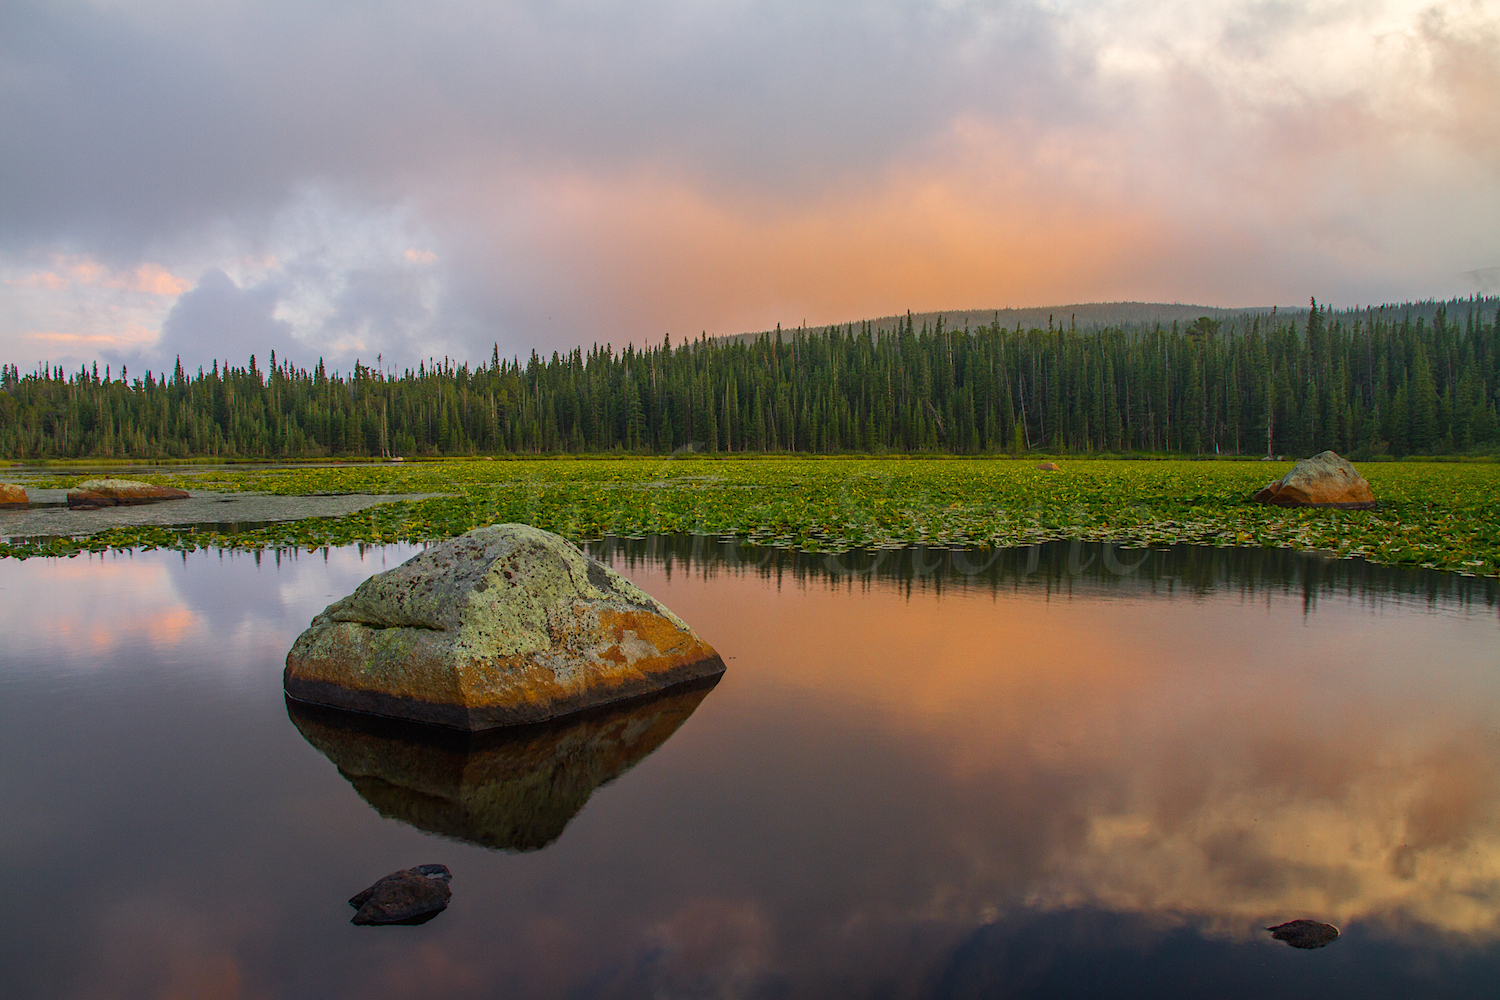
(372, 179)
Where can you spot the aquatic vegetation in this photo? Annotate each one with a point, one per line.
(1435, 515)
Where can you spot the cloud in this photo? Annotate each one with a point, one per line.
(614, 171)
(219, 319)
(108, 343)
(75, 309)
(50, 280)
(156, 280)
(378, 308)
(81, 270)
(1485, 279)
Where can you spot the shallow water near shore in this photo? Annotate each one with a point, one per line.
(1069, 770)
(48, 515)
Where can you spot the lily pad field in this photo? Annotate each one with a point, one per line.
(1432, 514)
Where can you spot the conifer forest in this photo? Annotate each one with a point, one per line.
(1420, 379)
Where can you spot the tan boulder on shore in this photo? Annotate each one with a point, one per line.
(501, 626)
(120, 493)
(1324, 480)
(12, 495)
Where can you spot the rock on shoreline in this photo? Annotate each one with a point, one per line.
(504, 625)
(120, 493)
(1324, 480)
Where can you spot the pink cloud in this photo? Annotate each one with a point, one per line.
(48, 280)
(131, 335)
(155, 280)
(150, 278)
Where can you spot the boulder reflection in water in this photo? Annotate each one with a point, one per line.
(512, 790)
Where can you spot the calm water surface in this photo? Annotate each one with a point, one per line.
(1065, 771)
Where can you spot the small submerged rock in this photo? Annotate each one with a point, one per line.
(1324, 480)
(1047, 467)
(1304, 934)
(12, 495)
(95, 493)
(412, 896)
(505, 625)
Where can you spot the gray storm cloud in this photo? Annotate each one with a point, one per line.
(608, 171)
(131, 125)
(218, 319)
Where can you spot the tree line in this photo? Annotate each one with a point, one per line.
(1364, 383)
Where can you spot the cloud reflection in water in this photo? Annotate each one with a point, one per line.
(905, 785)
(1225, 758)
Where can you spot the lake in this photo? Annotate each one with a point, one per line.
(1069, 770)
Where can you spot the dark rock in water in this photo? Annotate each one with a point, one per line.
(1047, 467)
(513, 789)
(1324, 480)
(96, 493)
(12, 495)
(412, 896)
(505, 625)
(1304, 933)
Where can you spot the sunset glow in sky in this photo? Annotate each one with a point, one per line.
(351, 179)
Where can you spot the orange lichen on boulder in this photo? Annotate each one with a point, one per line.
(504, 625)
(1324, 480)
(1047, 467)
(12, 496)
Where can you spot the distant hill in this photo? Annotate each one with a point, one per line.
(1083, 315)
(1128, 315)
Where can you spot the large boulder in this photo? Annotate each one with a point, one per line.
(510, 789)
(120, 493)
(1324, 480)
(502, 626)
(12, 496)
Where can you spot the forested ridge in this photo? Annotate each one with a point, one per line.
(1364, 383)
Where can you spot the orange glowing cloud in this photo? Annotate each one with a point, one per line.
(657, 253)
(983, 216)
